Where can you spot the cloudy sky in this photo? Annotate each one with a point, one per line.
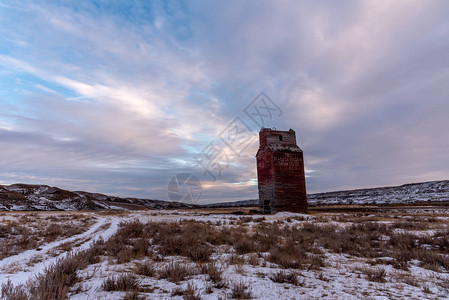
(118, 97)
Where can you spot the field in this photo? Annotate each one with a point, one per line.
(214, 254)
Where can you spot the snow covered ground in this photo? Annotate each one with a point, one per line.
(23, 266)
(341, 275)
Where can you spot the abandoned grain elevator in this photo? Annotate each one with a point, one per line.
(280, 172)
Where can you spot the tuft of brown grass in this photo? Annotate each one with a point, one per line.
(124, 282)
(431, 260)
(284, 277)
(175, 271)
(190, 293)
(375, 274)
(133, 295)
(146, 269)
(11, 292)
(235, 259)
(199, 253)
(215, 273)
(240, 290)
(56, 280)
(294, 256)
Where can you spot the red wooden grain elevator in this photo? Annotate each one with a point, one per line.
(280, 172)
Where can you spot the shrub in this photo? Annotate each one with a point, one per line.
(199, 253)
(211, 269)
(376, 274)
(11, 292)
(133, 295)
(235, 259)
(431, 260)
(245, 246)
(240, 291)
(190, 293)
(56, 280)
(187, 239)
(294, 256)
(175, 272)
(123, 282)
(132, 229)
(284, 277)
(139, 247)
(145, 269)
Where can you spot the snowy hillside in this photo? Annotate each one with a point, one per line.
(42, 197)
(435, 191)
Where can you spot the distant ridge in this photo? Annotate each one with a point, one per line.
(19, 197)
(433, 191)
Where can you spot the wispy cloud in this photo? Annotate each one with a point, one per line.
(119, 98)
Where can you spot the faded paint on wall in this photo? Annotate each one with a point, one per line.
(280, 172)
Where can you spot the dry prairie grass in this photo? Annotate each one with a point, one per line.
(214, 273)
(289, 246)
(374, 274)
(286, 277)
(176, 271)
(240, 290)
(123, 282)
(190, 293)
(33, 230)
(146, 268)
(180, 250)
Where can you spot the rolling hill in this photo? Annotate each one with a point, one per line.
(43, 197)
